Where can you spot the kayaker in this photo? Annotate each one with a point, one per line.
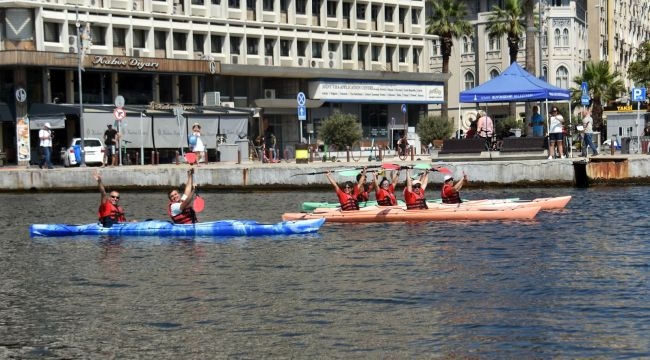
(109, 211)
(180, 207)
(347, 196)
(365, 188)
(450, 193)
(385, 190)
(414, 191)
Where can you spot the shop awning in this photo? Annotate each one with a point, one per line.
(56, 121)
(286, 103)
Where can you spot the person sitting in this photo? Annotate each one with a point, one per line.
(471, 132)
(365, 188)
(180, 207)
(414, 191)
(109, 211)
(450, 192)
(385, 190)
(347, 196)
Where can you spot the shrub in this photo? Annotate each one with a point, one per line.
(340, 130)
(434, 128)
(504, 127)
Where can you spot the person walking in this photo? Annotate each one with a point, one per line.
(45, 136)
(537, 122)
(588, 125)
(555, 134)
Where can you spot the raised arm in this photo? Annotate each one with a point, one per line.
(189, 189)
(362, 180)
(424, 178)
(395, 178)
(459, 184)
(332, 181)
(409, 181)
(100, 185)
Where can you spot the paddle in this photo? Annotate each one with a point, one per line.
(325, 172)
(355, 172)
(190, 158)
(198, 204)
(441, 169)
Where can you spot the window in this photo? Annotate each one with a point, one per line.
(52, 32)
(494, 74)
(119, 37)
(347, 10)
(301, 47)
(415, 16)
(284, 5)
(267, 5)
(197, 2)
(435, 47)
(198, 42)
(361, 11)
(317, 50)
(347, 51)
(469, 80)
(269, 44)
(388, 13)
(331, 47)
(315, 7)
(159, 40)
(390, 51)
(235, 43)
(557, 37)
(250, 4)
(374, 117)
(216, 42)
(216, 2)
(544, 40)
(301, 7)
(252, 46)
(98, 35)
(402, 15)
(233, 4)
(416, 55)
(139, 38)
(285, 47)
(494, 43)
(180, 41)
(361, 55)
(562, 78)
(376, 52)
(331, 8)
(565, 37)
(403, 53)
(467, 45)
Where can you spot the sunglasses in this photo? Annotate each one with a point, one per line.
(417, 186)
(348, 187)
(115, 197)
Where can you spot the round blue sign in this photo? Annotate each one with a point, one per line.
(403, 108)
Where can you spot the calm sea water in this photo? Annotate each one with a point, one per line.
(571, 284)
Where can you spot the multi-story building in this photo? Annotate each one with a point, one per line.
(357, 56)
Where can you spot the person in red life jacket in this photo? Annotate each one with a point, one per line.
(414, 191)
(110, 212)
(385, 190)
(451, 192)
(180, 207)
(365, 188)
(347, 196)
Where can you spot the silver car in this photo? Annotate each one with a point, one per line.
(93, 147)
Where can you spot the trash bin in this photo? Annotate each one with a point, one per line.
(625, 145)
(302, 153)
(77, 153)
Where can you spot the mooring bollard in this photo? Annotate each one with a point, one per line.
(154, 161)
(347, 153)
(137, 158)
(177, 159)
(380, 157)
(238, 156)
(412, 148)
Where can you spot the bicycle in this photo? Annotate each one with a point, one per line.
(355, 151)
(126, 158)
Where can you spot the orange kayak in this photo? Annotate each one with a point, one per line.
(392, 214)
(549, 203)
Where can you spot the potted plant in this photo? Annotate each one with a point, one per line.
(433, 130)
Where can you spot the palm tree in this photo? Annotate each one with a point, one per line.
(448, 22)
(604, 86)
(509, 21)
(529, 14)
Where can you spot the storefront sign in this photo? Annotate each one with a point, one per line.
(113, 61)
(388, 92)
(167, 106)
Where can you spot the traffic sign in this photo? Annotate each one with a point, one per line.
(119, 114)
(301, 99)
(585, 88)
(119, 101)
(585, 100)
(302, 113)
(21, 95)
(638, 94)
(403, 108)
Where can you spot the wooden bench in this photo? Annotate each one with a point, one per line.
(462, 146)
(522, 144)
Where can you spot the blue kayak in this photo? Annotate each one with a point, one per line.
(166, 228)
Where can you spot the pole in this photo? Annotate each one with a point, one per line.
(142, 138)
(82, 163)
(119, 143)
(638, 135)
(460, 88)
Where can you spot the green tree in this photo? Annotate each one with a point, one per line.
(508, 21)
(340, 129)
(604, 85)
(448, 22)
(638, 70)
(434, 128)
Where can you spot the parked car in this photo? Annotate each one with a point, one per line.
(94, 149)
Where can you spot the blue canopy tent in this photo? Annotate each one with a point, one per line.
(513, 85)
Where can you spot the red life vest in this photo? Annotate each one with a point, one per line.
(347, 201)
(111, 213)
(449, 196)
(386, 197)
(415, 201)
(187, 216)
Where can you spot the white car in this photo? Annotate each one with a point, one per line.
(94, 149)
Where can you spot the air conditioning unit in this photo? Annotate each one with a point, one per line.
(234, 59)
(137, 53)
(269, 93)
(72, 44)
(302, 61)
(268, 61)
(212, 98)
(228, 104)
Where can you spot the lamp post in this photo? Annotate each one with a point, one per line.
(81, 103)
(539, 27)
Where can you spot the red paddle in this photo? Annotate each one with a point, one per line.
(190, 157)
(198, 203)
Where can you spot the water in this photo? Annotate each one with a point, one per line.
(570, 284)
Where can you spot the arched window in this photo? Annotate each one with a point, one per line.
(565, 37)
(467, 45)
(545, 73)
(557, 37)
(493, 74)
(562, 77)
(469, 80)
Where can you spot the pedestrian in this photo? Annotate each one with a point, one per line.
(110, 138)
(198, 148)
(537, 122)
(555, 134)
(45, 135)
(587, 124)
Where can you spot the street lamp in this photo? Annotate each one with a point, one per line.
(81, 105)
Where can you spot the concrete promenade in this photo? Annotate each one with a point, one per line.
(603, 169)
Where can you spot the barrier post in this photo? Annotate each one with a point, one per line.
(177, 159)
(157, 157)
(238, 156)
(380, 157)
(137, 157)
(153, 158)
(347, 153)
(412, 149)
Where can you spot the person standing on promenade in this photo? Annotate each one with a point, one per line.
(414, 191)
(587, 124)
(385, 190)
(450, 192)
(110, 212)
(110, 137)
(198, 148)
(537, 122)
(180, 207)
(45, 136)
(555, 134)
(348, 196)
